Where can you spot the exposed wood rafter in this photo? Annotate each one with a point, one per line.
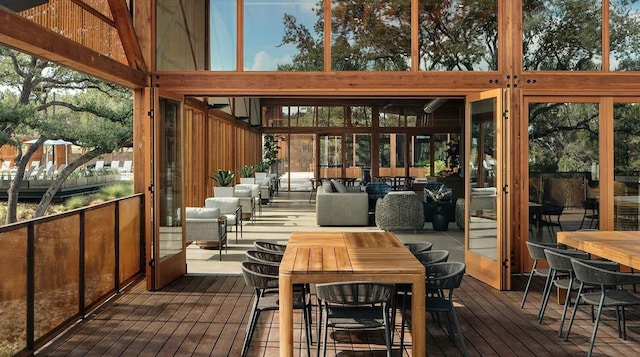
(124, 25)
(24, 35)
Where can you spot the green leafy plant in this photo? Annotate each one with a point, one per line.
(246, 170)
(224, 177)
(270, 149)
(262, 166)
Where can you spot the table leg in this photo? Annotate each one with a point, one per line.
(418, 318)
(286, 315)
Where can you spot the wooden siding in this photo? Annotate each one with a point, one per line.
(89, 23)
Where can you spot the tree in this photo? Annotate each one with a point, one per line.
(55, 102)
(376, 35)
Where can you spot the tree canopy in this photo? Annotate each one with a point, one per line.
(44, 100)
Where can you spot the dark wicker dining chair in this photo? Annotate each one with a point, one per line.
(263, 278)
(419, 247)
(354, 305)
(609, 295)
(269, 246)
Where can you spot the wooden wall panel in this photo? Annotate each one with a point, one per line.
(72, 21)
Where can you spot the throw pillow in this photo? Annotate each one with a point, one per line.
(339, 186)
(327, 187)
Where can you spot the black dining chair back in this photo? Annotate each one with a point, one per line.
(354, 305)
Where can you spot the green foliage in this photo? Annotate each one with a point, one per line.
(76, 202)
(262, 166)
(224, 177)
(270, 154)
(117, 190)
(246, 170)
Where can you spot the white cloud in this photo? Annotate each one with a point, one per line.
(263, 61)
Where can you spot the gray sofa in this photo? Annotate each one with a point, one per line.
(342, 209)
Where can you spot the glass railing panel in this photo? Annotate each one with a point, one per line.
(99, 252)
(57, 257)
(130, 249)
(13, 291)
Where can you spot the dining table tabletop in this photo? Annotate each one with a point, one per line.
(325, 257)
(619, 246)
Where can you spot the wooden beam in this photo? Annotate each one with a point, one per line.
(24, 35)
(274, 84)
(124, 25)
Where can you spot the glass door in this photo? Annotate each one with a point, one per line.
(168, 255)
(330, 156)
(486, 245)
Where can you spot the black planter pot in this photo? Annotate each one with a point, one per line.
(440, 222)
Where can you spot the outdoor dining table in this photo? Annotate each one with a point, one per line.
(619, 246)
(325, 257)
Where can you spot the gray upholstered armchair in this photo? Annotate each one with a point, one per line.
(229, 207)
(206, 227)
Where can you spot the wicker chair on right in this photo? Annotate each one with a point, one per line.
(609, 294)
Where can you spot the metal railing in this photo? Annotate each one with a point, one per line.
(57, 268)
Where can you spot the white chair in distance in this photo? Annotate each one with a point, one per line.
(229, 207)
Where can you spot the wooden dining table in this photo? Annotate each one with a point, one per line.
(619, 246)
(326, 257)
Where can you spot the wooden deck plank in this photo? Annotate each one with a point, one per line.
(211, 313)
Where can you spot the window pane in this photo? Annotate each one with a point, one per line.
(283, 35)
(562, 35)
(301, 162)
(180, 35)
(170, 180)
(384, 154)
(563, 168)
(624, 35)
(360, 116)
(626, 143)
(223, 36)
(400, 150)
(371, 35)
(458, 35)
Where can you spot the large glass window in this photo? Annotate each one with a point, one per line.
(370, 35)
(358, 155)
(223, 38)
(330, 155)
(626, 144)
(458, 35)
(399, 148)
(180, 35)
(283, 35)
(562, 35)
(301, 162)
(359, 116)
(624, 36)
(563, 168)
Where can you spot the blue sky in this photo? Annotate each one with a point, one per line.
(263, 32)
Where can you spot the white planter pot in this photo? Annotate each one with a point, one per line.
(247, 180)
(220, 191)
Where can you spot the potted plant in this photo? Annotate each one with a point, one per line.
(270, 155)
(246, 171)
(223, 178)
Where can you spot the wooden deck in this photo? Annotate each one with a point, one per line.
(206, 314)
